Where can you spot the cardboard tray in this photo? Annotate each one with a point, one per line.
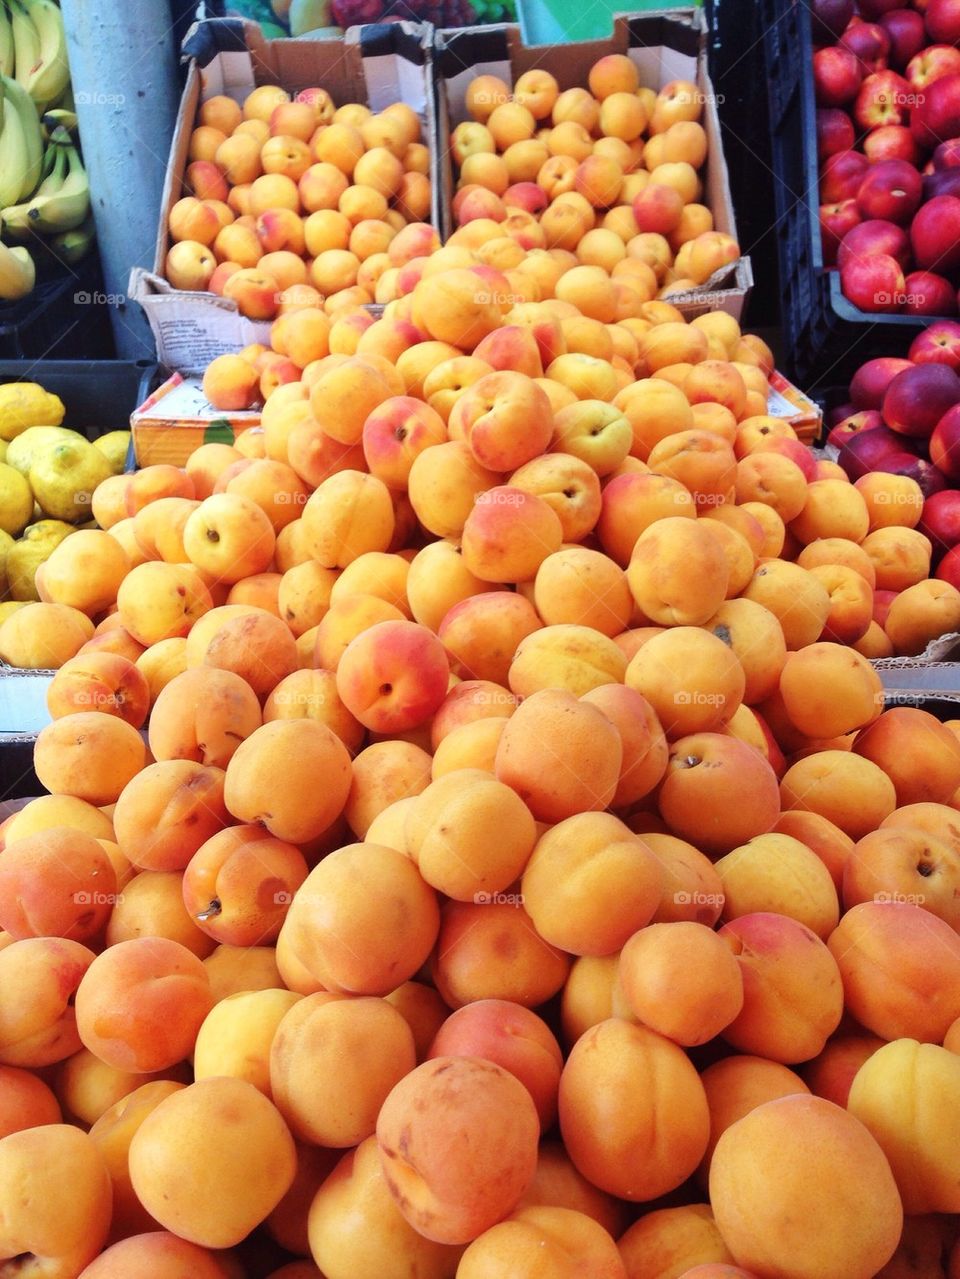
(666, 45)
(376, 65)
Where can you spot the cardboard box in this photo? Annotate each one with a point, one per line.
(177, 418)
(23, 713)
(376, 65)
(665, 45)
(795, 406)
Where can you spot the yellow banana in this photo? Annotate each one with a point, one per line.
(32, 135)
(6, 43)
(14, 219)
(66, 208)
(71, 246)
(13, 155)
(26, 44)
(51, 75)
(59, 118)
(17, 273)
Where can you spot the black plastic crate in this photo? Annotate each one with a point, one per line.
(66, 314)
(98, 395)
(825, 337)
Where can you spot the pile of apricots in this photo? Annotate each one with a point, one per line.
(475, 842)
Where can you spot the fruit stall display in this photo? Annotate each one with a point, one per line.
(44, 192)
(474, 840)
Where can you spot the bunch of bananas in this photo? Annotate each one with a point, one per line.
(44, 189)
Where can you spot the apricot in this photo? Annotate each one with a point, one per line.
(919, 614)
(491, 950)
(57, 1195)
(239, 884)
(37, 1019)
(790, 1007)
(249, 1167)
(508, 534)
(587, 910)
(203, 715)
(777, 873)
(755, 636)
(88, 755)
(448, 1199)
(737, 1085)
(664, 957)
(691, 678)
(584, 748)
(601, 1065)
(561, 1241)
(668, 1238)
(848, 790)
(859, 1224)
(151, 905)
(898, 864)
(58, 882)
(796, 598)
(271, 779)
(158, 601)
(678, 572)
(383, 774)
(143, 1006)
(166, 812)
(718, 792)
(918, 753)
(355, 1225)
(914, 1138)
(899, 965)
(158, 1253)
(380, 920)
(26, 1101)
(317, 1032)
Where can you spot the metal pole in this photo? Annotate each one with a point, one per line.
(123, 64)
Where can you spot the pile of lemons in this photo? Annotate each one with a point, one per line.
(47, 477)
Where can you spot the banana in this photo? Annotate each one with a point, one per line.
(59, 118)
(17, 273)
(33, 137)
(71, 246)
(50, 77)
(66, 208)
(26, 43)
(6, 43)
(14, 220)
(13, 155)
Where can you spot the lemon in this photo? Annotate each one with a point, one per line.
(10, 606)
(26, 556)
(114, 447)
(16, 500)
(24, 404)
(22, 450)
(3, 450)
(64, 476)
(6, 541)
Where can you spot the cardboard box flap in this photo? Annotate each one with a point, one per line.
(191, 329)
(917, 672)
